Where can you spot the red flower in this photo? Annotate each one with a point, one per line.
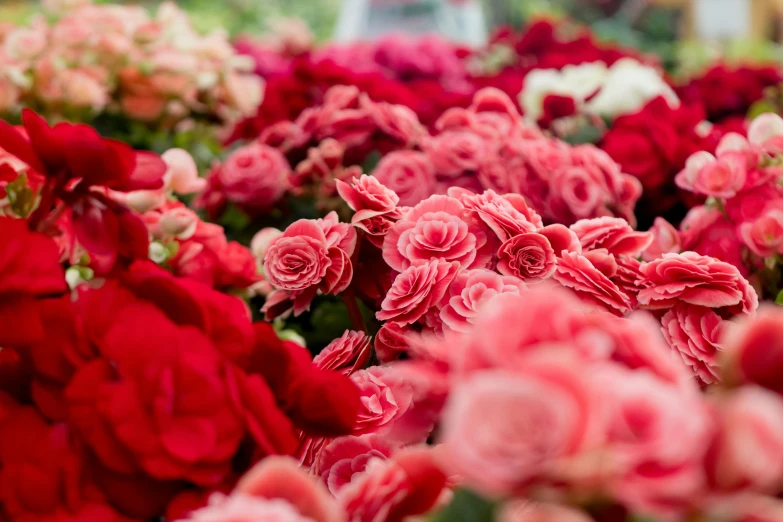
(29, 269)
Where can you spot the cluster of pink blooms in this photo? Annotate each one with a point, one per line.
(485, 146)
(118, 59)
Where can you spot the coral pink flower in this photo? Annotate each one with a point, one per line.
(666, 240)
(492, 426)
(529, 257)
(349, 352)
(367, 196)
(561, 238)
(436, 228)
(529, 511)
(747, 450)
(764, 235)
(409, 174)
(613, 234)
(578, 273)
(695, 279)
(384, 397)
(416, 290)
(695, 333)
(305, 259)
(410, 483)
(455, 152)
(391, 341)
(181, 175)
(397, 121)
(341, 459)
(644, 415)
(755, 350)
(764, 128)
(506, 216)
(254, 176)
(470, 291)
(262, 240)
(721, 178)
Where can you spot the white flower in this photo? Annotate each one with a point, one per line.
(628, 86)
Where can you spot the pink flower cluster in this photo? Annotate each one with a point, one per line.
(485, 146)
(118, 59)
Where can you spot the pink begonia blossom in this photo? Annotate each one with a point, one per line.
(468, 293)
(754, 349)
(392, 341)
(747, 450)
(764, 235)
(529, 257)
(262, 240)
(436, 228)
(613, 234)
(341, 459)
(409, 174)
(506, 216)
(349, 352)
(385, 398)
(695, 279)
(455, 152)
(416, 290)
(695, 333)
(530, 511)
(666, 240)
(581, 275)
(254, 176)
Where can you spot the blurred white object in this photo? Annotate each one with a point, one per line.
(722, 19)
(457, 20)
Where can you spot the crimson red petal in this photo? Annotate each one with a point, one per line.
(12, 141)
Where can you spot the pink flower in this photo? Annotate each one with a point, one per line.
(529, 511)
(764, 235)
(410, 483)
(384, 398)
(416, 290)
(436, 228)
(754, 349)
(493, 426)
(577, 192)
(397, 121)
(181, 174)
(747, 450)
(613, 234)
(455, 152)
(179, 222)
(695, 333)
(304, 260)
(470, 291)
(666, 239)
(246, 508)
(721, 178)
(529, 257)
(506, 216)
(262, 240)
(709, 233)
(578, 273)
(644, 415)
(349, 352)
(254, 176)
(695, 279)
(367, 196)
(561, 238)
(409, 174)
(545, 156)
(765, 127)
(343, 458)
(391, 341)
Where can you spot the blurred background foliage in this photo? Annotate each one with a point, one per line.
(635, 23)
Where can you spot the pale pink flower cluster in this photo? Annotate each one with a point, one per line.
(486, 146)
(120, 59)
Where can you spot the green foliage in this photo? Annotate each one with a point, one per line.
(20, 196)
(779, 298)
(467, 506)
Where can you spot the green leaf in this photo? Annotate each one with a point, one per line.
(234, 219)
(779, 298)
(761, 107)
(467, 506)
(21, 196)
(585, 134)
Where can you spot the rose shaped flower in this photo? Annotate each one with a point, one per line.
(754, 350)
(409, 174)
(749, 418)
(709, 233)
(349, 352)
(367, 196)
(666, 239)
(721, 178)
(455, 152)
(491, 426)
(416, 290)
(764, 235)
(261, 241)
(470, 291)
(545, 156)
(577, 192)
(384, 397)
(307, 258)
(254, 176)
(410, 483)
(695, 333)
(613, 234)
(695, 279)
(344, 457)
(391, 341)
(668, 412)
(578, 273)
(436, 228)
(561, 238)
(529, 257)
(396, 121)
(506, 216)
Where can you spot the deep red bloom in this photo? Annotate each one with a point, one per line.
(29, 269)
